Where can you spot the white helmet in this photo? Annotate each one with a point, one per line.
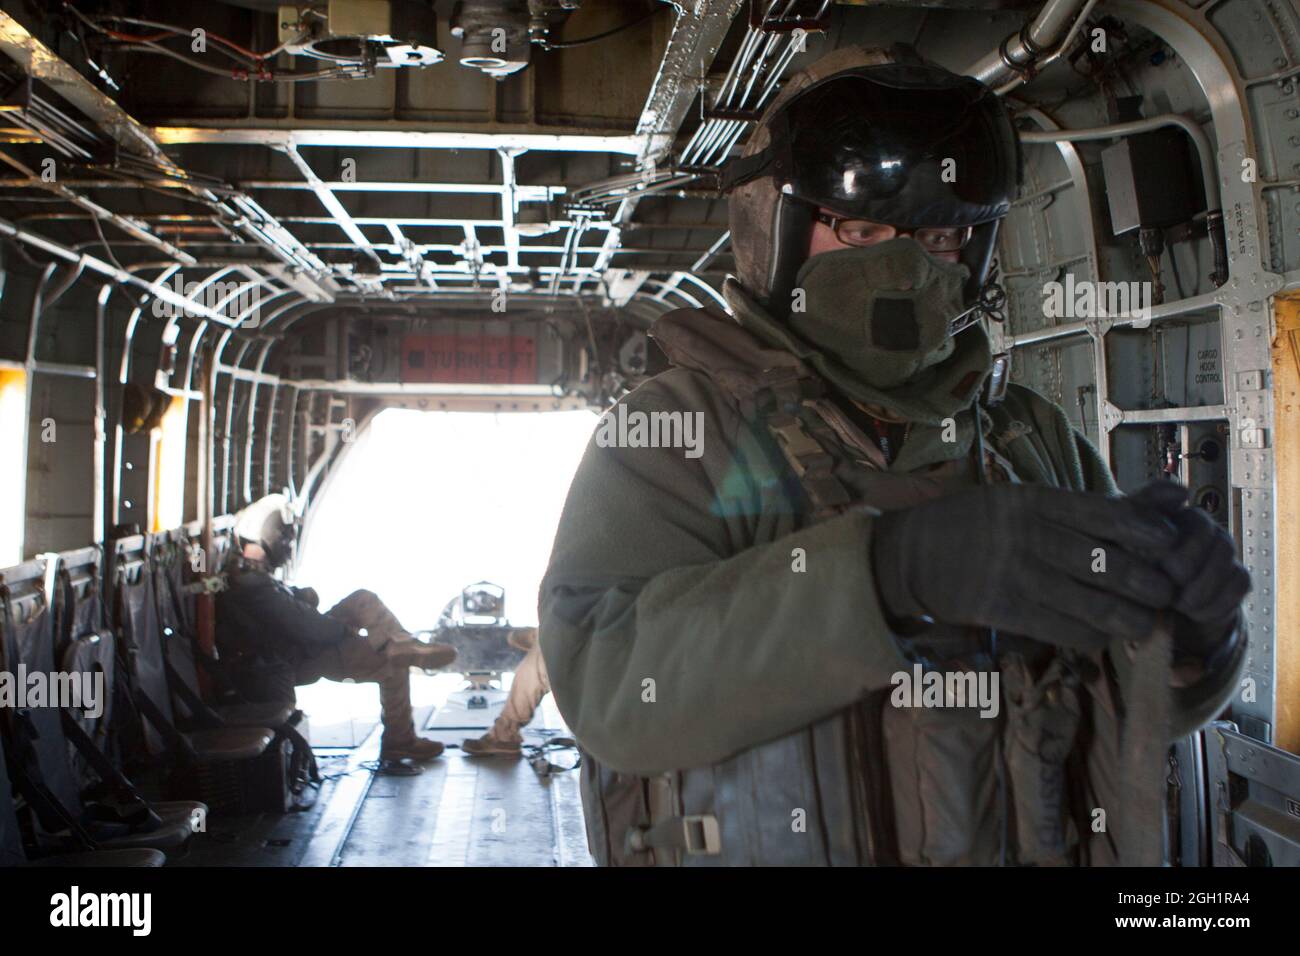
(269, 523)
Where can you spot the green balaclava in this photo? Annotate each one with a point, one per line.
(932, 376)
(882, 311)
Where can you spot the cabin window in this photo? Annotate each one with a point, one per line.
(168, 457)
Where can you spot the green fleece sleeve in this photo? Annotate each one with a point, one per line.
(1052, 451)
(676, 624)
(1096, 473)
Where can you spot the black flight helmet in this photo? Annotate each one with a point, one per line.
(908, 144)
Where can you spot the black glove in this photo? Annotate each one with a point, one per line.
(1021, 558)
(1203, 565)
(307, 596)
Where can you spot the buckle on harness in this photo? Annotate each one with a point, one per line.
(701, 834)
(695, 835)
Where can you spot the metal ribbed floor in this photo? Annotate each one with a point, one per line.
(461, 811)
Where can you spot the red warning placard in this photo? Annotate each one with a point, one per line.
(478, 359)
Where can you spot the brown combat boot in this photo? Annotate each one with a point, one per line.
(413, 748)
(488, 745)
(427, 657)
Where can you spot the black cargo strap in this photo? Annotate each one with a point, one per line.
(694, 835)
(867, 737)
(49, 809)
(302, 748)
(176, 740)
(539, 756)
(136, 811)
(64, 622)
(198, 708)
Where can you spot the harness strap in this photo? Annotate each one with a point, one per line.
(811, 463)
(780, 394)
(867, 739)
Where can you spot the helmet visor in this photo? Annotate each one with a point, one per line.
(905, 145)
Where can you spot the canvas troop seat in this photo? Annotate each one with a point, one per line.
(37, 735)
(85, 644)
(79, 602)
(11, 838)
(13, 853)
(26, 631)
(145, 665)
(168, 560)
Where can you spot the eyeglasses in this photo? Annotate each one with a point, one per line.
(863, 232)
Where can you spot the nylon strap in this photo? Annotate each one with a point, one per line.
(303, 748)
(777, 407)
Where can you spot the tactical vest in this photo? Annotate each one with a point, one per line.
(872, 784)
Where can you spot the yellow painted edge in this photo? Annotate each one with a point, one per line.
(1286, 461)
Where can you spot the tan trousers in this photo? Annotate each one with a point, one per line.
(366, 660)
(530, 685)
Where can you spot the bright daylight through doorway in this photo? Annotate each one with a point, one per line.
(424, 504)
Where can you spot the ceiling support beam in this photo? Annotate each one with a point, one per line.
(331, 203)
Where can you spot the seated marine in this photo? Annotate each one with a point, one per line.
(272, 637)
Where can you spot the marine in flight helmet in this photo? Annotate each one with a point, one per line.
(269, 523)
(870, 134)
